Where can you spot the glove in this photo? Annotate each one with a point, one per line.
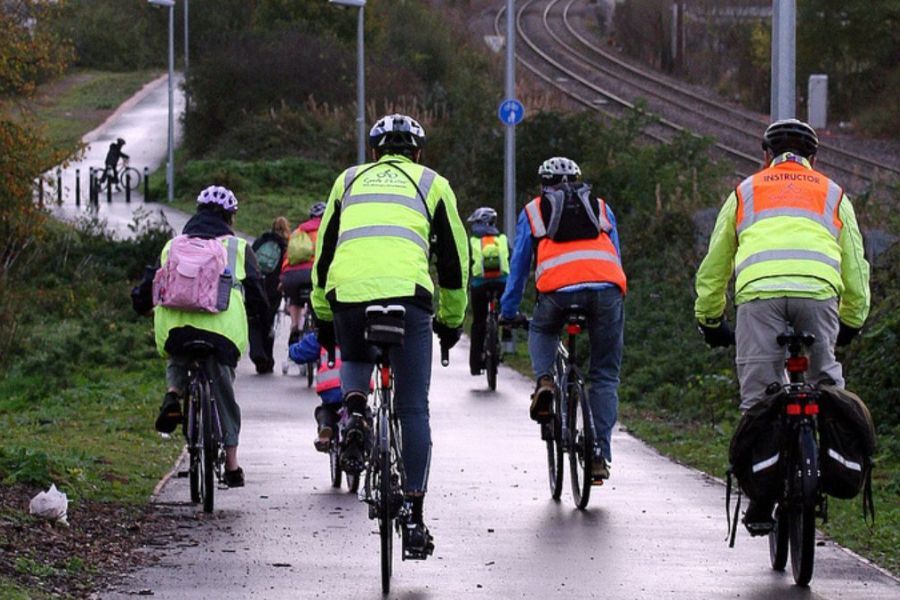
(448, 335)
(846, 334)
(325, 335)
(518, 320)
(718, 336)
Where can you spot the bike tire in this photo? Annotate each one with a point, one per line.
(803, 518)
(778, 540)
(191, 435)
(353, 482)
(384, 499)
(334, 458)
(194, 474)
(491, 352)
(555, 454)
(208, 450)
(130, 178)
(581, 450)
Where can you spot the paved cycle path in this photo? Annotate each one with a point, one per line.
(655, 530)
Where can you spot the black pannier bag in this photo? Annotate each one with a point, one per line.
(570, 213)
(846, 443)
(756, 450)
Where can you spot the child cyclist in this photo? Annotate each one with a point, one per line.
(328, 385)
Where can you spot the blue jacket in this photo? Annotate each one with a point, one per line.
(520, 265)
(308, 350)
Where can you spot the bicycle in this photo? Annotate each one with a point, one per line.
(802, 500)
(571, 428)
(334, 457)
(126, 176)
(308, 326)
(385, 475)
(202, 428)
(492, 354)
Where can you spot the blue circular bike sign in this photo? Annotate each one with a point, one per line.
(511, 112)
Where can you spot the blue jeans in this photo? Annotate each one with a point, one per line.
(411, 364)
(605, 325)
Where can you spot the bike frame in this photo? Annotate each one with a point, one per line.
(568, 373)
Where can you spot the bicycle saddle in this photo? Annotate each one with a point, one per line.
(575, 315)
(198, 349)
(799, 339)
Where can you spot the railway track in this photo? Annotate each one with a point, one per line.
(556, 51)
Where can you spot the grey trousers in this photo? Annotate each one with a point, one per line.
(222, 388)
(760, 360)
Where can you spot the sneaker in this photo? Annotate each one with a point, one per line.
(758, 518)
(323, 442)
(418, 543)
(542, 400)
(353, 459)
(169, 413)
(599, 467)
(234, 478)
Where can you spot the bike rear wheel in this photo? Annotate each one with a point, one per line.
(581, 450)
(334, 458)
(803, 517)
(778, 540)
(555, 452)
(385, 519)
(309, 327)
(208, 450)
(353, 482)
(192, 437)
(491, 352)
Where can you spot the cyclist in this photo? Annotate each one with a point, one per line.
(383, 222)
(225, 331)
(489, 250)
(113, 155)
(575, 239)
(790, 235)
(296, 273)
(269, 249)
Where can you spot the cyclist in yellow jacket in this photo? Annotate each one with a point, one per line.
(489, 250)
(790, 236)
(383, 223)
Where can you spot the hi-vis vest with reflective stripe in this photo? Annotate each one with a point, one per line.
(383, 245)
(478, 245)
(561, 264)
(231, 324)
(328, 378)
(787, 224)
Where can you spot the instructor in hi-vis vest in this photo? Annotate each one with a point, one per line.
(790, 236)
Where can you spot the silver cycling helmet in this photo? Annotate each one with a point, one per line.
(316, 210)
(559, 169)
(396, 132)
(788, 135)
(220, 196)
(484, 214)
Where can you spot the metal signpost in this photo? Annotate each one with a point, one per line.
(511, 112)
(784, 43)
(170, 166)
(360, 76)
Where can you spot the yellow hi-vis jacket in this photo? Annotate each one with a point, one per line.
(787, 231)
(382, 224)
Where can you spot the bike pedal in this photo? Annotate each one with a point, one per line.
(597, 482)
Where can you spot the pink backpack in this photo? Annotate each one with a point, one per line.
(198, 275)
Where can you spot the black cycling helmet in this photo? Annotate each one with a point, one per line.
(790, 135)
(316, 210)
(396, 132)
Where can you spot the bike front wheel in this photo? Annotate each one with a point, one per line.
(581, 449)
(130, 178)
(803, 543)
(491, 352)
(385, 517)
(334, 458)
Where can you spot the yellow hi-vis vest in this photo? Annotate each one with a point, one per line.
(231, 324)
(489, 251)
(787, 224)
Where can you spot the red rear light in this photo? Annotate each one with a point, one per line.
(573, 329)
(797, 364)
(792, 409)
(385, 378)
(811, 409)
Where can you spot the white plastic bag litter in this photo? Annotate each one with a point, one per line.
(51, 505)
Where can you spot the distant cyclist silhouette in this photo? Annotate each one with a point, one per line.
(112, 160)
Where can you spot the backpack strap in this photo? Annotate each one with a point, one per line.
(231, 245)
(584, 194)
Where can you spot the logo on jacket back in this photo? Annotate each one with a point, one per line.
(387, 177)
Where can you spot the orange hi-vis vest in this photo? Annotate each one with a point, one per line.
(328, 378)
(561, 264)
(787, 223)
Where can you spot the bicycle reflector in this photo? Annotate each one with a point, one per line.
(792, 409)
(573, 328)
(797, 364)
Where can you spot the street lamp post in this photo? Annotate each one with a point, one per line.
(360, 76)
(170, 166)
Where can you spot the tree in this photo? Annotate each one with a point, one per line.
(28, 56)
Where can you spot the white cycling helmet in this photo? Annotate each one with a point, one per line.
(317, 210)
(396, 131)
(485, 214)
(220, 196)
(558, 169)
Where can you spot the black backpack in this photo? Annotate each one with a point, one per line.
(756, 448)
(570, 213)
(846, 445)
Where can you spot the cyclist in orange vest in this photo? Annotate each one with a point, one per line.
(574, 238)
(790, 237)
